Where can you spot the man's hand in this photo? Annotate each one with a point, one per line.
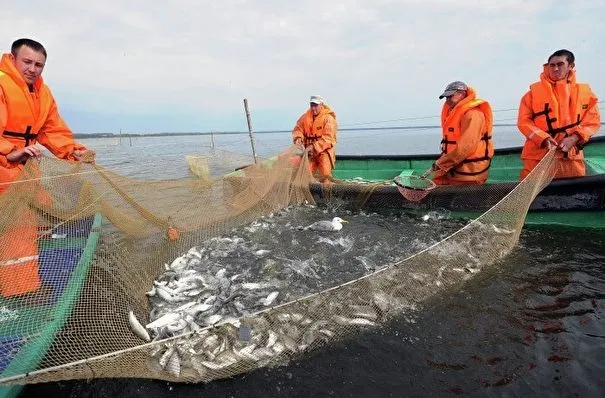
(21, 155)
(569, 142)
(310, 151)
(84, 155)
(549, 143)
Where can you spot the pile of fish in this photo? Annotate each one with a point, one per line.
(215, 311)
(271, 337)
(186, 300)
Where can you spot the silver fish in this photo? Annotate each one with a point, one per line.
(177, 326)
(197, 364)
(226, 358)
(289, 343)
(263, 352)
(364, 311)
(231, 320)
(179, 263)
(278, 347)
(137, 328)
(212, 319)
(361, 322)
(326, 332)
(381, 302)
(164, 320)
(166, 356)
(272, 339)
(270, 298)
(255, 285)
(173, 366)
(199, 307)
(213, 365)
(185, 306)
(210, 342)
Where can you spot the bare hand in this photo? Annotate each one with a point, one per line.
(84, 155)
(21, 155)
(549, 143)
(568, 142)
(310, 150)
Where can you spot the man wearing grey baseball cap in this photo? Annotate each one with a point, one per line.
(316, 130)
(466, 147)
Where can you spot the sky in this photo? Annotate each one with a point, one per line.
(187, 65)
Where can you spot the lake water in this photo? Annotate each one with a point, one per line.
(164, 157)
(533, 325)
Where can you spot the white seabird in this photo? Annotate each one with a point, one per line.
(334, 225)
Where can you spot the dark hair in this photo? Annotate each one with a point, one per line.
(34, 45)
(563, 53)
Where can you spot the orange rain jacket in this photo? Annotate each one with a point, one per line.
(557, 109)
(26, 117)
(466, 147)
(320, 132)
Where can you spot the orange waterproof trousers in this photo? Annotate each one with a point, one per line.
(19, 271)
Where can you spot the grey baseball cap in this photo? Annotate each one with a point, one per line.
(316, 99)
(452, 88)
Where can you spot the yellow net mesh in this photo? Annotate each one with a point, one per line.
(117, 262)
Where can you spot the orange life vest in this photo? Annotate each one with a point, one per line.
(480, 160)
(313, 129)
(547, 114)
(25, 115)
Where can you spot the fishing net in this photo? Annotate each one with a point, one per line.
(414, 188)
(115, 265)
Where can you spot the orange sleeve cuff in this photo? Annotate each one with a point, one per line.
(538, 137)
(6, 147)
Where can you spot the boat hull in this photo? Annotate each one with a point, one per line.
(574, 202)
(64, 264)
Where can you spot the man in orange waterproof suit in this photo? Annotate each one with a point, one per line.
(28, 116)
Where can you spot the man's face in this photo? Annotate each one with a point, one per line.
(558, 68)
(315, 108)
(29, 63)
(453, 99)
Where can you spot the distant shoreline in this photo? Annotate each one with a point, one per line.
(163, 134)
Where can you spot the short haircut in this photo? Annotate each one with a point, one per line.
(34, 45)
(563, 53)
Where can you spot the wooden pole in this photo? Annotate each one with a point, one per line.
(250, 129)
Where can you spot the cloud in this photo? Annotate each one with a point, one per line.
(372, 60)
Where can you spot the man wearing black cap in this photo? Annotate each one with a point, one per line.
(466, 147)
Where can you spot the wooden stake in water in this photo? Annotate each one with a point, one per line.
(250, 129)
